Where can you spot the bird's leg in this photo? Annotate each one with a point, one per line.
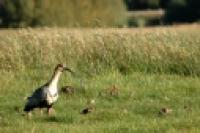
(50, 111)
(29, 115)
(41, 111)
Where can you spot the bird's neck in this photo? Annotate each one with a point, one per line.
(55, 78)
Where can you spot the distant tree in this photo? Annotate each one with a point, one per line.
(193, 8)
(67, 13)
(183, 11)
(142, 4)
(164, 3)
(19, 12)
(153, 4)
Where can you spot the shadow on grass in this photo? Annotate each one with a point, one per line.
(58, 119)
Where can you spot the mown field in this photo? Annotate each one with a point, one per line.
(152, 68)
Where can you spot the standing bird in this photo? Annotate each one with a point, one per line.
(46, 95)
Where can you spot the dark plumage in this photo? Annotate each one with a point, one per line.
(38, 99)
(90, 107)
(87, 110)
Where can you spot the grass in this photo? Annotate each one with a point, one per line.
(157, 50)
(135, 109)
(145, 85)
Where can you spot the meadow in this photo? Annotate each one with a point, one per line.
(152, 68)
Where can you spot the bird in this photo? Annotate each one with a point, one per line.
(111, 91)
(68, 90)
(165, 111)
(46, 95)
(89, 108)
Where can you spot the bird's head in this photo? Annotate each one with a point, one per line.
(62, 67)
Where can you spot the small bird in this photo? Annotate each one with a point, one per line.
(46, 95)
(165, 111)
(112, 91)
(87, 110)
(68, 90)
(90, 107)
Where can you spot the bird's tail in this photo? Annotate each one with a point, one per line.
(27, 108)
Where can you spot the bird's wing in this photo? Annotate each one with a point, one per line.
(37, 97)
(40, 93)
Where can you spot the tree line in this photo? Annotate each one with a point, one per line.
(90, 13)
(176, 10)
(62, 13)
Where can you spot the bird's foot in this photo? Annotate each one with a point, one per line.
(29, 115)
(41, 112)
(50, 111)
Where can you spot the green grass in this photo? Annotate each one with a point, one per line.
(135, 109)
(153, 68)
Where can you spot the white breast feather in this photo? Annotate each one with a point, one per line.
(52, 94)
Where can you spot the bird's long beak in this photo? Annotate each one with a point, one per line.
(69, 70)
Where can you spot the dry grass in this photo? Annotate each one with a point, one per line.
(163, 50)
